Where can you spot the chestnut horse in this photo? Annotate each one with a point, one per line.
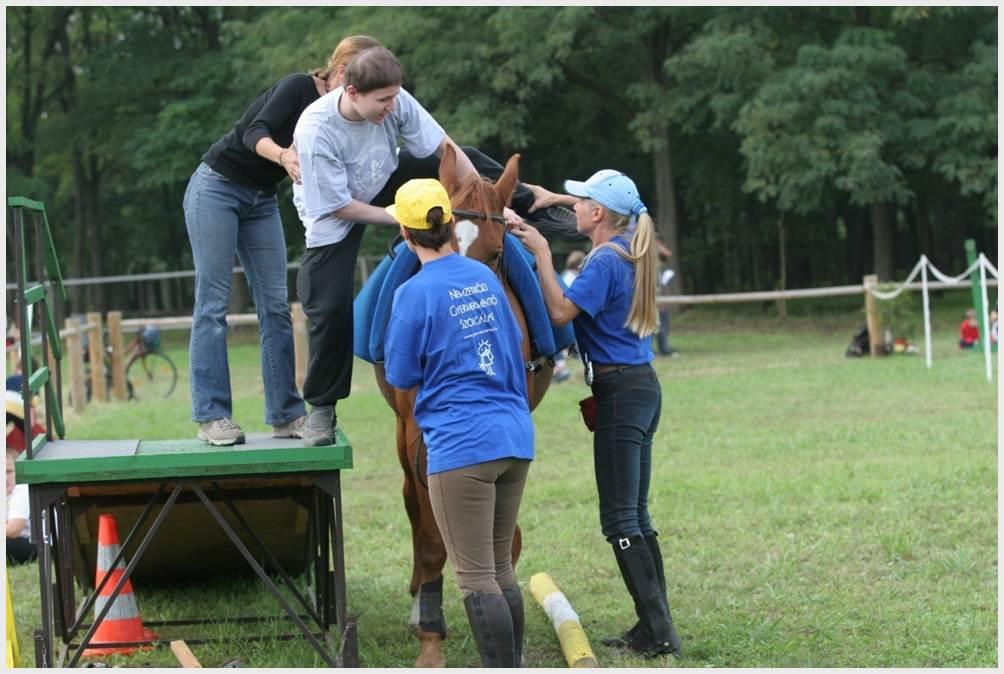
(479, 237)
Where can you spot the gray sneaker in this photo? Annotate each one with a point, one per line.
(319, 428)
(221, 432)
(290, 429)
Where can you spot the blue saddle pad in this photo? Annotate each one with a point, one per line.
(371, 308)
(373, 304)
(363, 307)
(521, 274)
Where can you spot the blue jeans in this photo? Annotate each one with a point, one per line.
(224, 218)
(629, 402)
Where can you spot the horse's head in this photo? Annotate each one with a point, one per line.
(479, 236)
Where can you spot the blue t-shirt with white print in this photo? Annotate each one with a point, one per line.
(603, 291)
(453, 334)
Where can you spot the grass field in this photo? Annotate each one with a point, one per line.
(814, 510)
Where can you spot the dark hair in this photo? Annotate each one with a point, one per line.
(436, 236)
(373, 68)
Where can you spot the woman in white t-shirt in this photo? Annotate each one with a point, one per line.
(18, 517)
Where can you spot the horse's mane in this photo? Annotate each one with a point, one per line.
(476, 190)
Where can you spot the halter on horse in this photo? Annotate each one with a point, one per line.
(479, 234)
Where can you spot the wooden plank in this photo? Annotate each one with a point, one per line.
(74, 462)
(76, 356)
(300, 343)
(184, 654)
(33, 294)
(117, 354)
(96, 352)
(872, 316)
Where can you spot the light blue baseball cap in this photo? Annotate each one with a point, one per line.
(611, 189)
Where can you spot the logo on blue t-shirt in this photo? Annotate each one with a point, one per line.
(487, 357)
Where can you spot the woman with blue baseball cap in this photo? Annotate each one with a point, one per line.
(612, 306)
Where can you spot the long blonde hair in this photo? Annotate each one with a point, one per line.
(643, 316)
(346, 49)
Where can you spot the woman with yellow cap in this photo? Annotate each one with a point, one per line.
(453, 335)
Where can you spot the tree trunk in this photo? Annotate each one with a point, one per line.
(666, 211)
(87, 220)
(882, 242)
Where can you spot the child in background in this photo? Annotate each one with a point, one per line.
(994, 330)
(969, 330)
(573, 264)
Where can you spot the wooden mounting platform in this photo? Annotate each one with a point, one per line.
(78, 461)
(186, 509)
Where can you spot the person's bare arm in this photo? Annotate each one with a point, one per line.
(283, 156)
(560, 309)
(15, 526)
(464, 165)
(358, 211)
(543, 198)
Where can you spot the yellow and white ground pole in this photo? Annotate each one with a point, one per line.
(13, 655)
(571, 636)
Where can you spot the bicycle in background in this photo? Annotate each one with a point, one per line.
(150, 373)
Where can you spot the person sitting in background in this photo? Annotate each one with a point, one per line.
(18, 517)
(573, 263)
(15, 422)
(994, 329)
(969, 330)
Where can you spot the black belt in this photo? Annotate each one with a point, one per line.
(601, 369)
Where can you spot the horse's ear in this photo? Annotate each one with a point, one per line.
(448, 168)
(506, 184)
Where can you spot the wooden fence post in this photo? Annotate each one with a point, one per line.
(76, 355)
(871, 314)
(117, 344)
(96, 352)
(300, 343)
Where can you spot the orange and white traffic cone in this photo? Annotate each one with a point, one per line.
(122, 622)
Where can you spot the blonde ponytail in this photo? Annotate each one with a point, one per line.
(643, 316)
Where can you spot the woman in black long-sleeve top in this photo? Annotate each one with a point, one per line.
(231, 207)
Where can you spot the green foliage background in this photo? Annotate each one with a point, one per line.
(868, 132)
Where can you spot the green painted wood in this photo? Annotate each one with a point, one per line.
(35, 293)
(57, 410)
(75, 462)
(52, 261)
(22, 202)
(37, 443)
(37, 380)
(55, 341)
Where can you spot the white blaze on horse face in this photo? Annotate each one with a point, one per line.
(467, 233)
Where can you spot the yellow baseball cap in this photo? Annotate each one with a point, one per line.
(414, 200)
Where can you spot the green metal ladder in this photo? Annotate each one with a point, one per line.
(50, 293)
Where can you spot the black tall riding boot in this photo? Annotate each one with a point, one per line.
(514, 598)
(655, 634)
(491, 624)
(652, 542)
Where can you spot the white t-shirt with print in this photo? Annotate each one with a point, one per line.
(17, 507)
(342, 160)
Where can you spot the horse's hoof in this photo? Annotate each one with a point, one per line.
(431, 654)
